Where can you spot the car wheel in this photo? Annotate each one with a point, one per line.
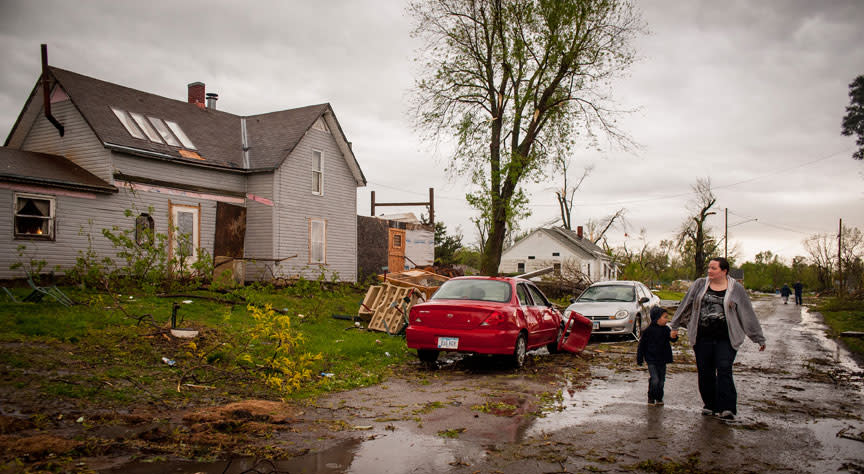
(518, 357)
(552, 347)
(427, 355)
(637, 328)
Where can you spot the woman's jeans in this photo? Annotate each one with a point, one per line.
(714, 359)
(657, 378)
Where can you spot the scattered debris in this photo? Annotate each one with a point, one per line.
(169, 362)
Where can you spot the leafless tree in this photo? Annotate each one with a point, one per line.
(567, 191)
(695, 236)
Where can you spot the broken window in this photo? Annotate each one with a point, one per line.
(317, 172)
(144, 228)
(317, 241)
(34, 217)
(148, 129)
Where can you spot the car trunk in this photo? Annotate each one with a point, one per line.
(452, 314)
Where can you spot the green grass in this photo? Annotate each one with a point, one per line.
(669, 295)
(844, 315)
(95, 352)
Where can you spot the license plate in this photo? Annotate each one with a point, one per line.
(448, 343)
(596, 325)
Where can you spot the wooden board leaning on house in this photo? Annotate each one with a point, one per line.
(384, 305)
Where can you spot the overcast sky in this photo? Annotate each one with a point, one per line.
(750, 94)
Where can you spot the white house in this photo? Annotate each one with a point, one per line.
(554, 247)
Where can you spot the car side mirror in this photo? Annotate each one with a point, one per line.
(644, 300)
(572, 300)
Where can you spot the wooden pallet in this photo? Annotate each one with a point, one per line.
(385, 303)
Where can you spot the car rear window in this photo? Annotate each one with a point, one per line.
(478, 290)
(608, 293)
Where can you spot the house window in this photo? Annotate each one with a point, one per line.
(589, 270)
(34, 217)
(520, 267)
(556, 267)
(185, 233)
(317, 241)
(556, 254)
(144, 228)
(397, 241)
(317, 173)
(530, 257)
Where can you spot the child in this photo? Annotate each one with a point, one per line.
(654, 348)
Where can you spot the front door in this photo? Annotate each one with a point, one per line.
(396, 251)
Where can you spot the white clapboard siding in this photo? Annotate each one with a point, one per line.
(79, 223)
(178, 173)
(78, 144)
(259, 226)
(296, 204)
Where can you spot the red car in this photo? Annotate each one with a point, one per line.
(487, 315)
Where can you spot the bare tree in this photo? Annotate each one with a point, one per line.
(596, 229)
(695, 237)
(510, 80)
(822, 250)
(566, 192)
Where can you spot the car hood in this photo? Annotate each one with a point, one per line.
(601, 308)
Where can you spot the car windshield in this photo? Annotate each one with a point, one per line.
(608, 293)
(480, 290)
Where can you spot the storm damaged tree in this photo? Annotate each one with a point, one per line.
(512, 79)
(853, 122)
(695, 237)
(567, 191)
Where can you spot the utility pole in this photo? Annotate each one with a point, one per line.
(840, 255)
(726, 235)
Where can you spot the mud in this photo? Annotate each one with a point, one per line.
(800, 407)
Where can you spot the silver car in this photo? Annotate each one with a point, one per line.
(616, 307)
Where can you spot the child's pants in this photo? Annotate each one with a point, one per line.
(657, 374)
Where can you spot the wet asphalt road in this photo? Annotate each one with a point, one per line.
(799, 404)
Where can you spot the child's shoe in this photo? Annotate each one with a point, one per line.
(726, 415)
(658, 402)
(707, 412)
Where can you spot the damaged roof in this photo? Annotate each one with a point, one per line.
(572, 239)
(46, 169)
(215, 134)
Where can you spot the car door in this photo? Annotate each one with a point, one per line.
(548, 323)
(643, 297)
(532, 316)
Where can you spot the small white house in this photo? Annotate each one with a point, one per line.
(554, 247)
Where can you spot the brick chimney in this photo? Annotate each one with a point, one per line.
(196, 94)
(579, 231)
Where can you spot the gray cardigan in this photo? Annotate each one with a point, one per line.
(740, 317)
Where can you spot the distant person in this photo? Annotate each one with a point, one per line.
(655, 349)
(785, 292)
(717, 313)
(799, 292)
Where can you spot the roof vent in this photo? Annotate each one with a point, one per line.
(211, 100)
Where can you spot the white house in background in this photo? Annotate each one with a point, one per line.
(556, 246)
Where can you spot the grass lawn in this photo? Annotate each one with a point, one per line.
(99, 352)
(844, 315)
(669, 295)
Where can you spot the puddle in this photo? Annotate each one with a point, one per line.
(392, 453)
(585, 405)
(836, 451)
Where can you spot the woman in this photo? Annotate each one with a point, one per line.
(717, 314)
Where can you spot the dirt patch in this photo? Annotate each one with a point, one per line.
(247, 410)
(37, 447)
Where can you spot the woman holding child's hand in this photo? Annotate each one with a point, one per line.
(718, 314)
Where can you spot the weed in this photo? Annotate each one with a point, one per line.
(451, 433)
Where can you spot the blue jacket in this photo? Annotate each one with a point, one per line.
(654, 345)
